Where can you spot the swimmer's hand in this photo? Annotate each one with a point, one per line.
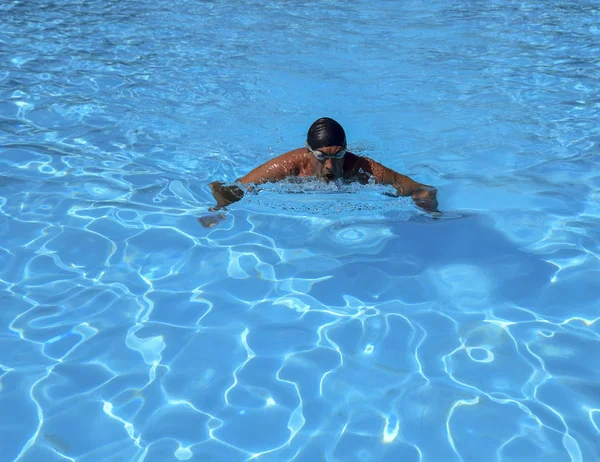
(426, 198)
(225, 195)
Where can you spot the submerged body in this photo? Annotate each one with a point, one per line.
(325, 157)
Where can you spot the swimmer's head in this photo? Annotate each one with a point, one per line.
(326, 132)
(326, 143)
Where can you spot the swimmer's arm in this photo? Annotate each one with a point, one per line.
(271, 171)
(423, 195)
(274, 170)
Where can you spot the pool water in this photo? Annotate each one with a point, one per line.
(314, 322)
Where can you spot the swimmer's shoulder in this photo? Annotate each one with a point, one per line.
(291, 163)
(295, 158)
(294, 154)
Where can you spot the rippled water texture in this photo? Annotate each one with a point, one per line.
(313, 323)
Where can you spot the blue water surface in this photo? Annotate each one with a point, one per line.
(315, 322)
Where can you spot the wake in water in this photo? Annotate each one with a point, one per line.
(310, 197)
(334, 201)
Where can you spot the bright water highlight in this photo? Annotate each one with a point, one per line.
(314, 323)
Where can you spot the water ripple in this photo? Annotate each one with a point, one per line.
(315, 322)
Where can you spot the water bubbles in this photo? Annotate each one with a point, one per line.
(312, 198)
(369, 349)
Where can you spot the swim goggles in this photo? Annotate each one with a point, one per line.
(321, 156)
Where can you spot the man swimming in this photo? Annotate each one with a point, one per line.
(326, 158)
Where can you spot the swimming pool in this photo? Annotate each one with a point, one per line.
(334, 325)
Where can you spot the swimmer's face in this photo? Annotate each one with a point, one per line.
(328, 163)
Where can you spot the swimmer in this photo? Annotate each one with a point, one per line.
(326, 158)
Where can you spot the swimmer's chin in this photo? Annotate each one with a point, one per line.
(328, 178)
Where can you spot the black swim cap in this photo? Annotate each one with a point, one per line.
(325, 132)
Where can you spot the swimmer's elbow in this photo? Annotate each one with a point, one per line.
(244, 179)
(256, 179)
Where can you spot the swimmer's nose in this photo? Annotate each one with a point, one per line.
(328, 164)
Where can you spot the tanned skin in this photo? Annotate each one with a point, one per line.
(302, 163)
